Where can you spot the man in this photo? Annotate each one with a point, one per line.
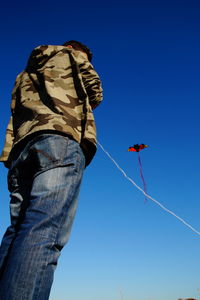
(50, 139)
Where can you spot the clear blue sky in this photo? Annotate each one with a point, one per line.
(147, 54)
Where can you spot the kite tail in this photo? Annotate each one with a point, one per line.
(141, 174)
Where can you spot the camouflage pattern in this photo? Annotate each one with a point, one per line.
(56, 91)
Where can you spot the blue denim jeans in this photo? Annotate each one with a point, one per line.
(44, 181)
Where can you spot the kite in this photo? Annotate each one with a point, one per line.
(137, 148)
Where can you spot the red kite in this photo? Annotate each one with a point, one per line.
(138, 148)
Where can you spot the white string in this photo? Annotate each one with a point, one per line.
(146, 195)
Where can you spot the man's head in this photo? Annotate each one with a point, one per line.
(79, 46)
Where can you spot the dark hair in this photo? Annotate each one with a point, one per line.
(79, 46)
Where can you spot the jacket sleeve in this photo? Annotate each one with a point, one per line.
(91, 81)
(8, 142)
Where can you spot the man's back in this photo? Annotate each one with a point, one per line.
(55, 93)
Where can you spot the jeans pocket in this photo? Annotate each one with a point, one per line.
(52, 151)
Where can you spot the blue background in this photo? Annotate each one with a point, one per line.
(147, 55)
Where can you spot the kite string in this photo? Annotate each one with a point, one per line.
(146, 195)
(141, 175)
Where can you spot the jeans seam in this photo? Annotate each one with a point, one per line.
(45, 154)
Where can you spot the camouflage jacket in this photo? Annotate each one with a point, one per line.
(56, 91)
